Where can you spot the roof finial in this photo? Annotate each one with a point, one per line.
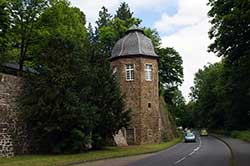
(134, 28)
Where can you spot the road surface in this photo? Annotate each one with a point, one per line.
(240, 149)
(207, 151)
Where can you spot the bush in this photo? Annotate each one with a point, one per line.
(243, 135)
(71, 103)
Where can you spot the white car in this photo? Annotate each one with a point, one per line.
(190, 137)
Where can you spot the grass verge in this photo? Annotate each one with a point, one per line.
(109, 152)
(242, 135)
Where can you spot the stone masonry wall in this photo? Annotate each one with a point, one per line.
(12, 137)
(143, 97)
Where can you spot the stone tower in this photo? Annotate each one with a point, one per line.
(135, 64)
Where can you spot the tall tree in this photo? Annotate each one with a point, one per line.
(91, 34)
(230, 28)
(104, 18)
(109, 30)
(4, 30)
(76, 100)
(209, 98)
(124, 12)
(170, 67)
(59, 20)
(170, 74)
(24, 15)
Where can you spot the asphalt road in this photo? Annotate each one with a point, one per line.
(240, 149)
(207, 151)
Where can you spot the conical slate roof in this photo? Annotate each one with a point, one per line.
(134, 43)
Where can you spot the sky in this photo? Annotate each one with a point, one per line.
(182, 24)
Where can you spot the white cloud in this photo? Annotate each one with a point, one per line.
(91, 8)
(191, 41)
(189, 12)
(147, 4)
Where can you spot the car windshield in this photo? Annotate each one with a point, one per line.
(190, 134)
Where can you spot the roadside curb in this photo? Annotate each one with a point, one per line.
(232, 160)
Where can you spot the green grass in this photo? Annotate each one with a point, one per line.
(242, 135)
(109, 152)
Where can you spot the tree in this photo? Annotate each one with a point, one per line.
(230, 31)
(104, 18)
(170, 74)
(230, 28)
(24, 15)
(177, 108)
(124, 16)
(170, 67)
(124, 12)
(107, 99)
(76, 100)
(4, 30)
(91, 34)
(209, 98)
(110, 30)
(58, 119)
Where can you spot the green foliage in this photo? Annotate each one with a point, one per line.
(221, 91)
(4, 30)
(124, 13)
(24, 15)
(230, 30)
(104, 18)
(59, 20)
(170, 67)
(221, 98)
(243, 135)
(237, 91)
(52, 102)
(109, 29)
(73, 101)
(206, 94)
(171, 76)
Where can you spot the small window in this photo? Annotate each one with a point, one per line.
(114, 71)
(149, 105)
(129, 72)
(148, 72)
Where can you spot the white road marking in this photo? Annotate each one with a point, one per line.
(190, 154)
(183, 158)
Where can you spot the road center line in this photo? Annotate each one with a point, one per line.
(183, 158)
(190, 154)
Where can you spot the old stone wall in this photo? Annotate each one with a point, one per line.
(143, 97)
(12, 135)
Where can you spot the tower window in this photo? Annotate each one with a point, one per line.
(129, 72)
(114, 71)
(148, 72)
